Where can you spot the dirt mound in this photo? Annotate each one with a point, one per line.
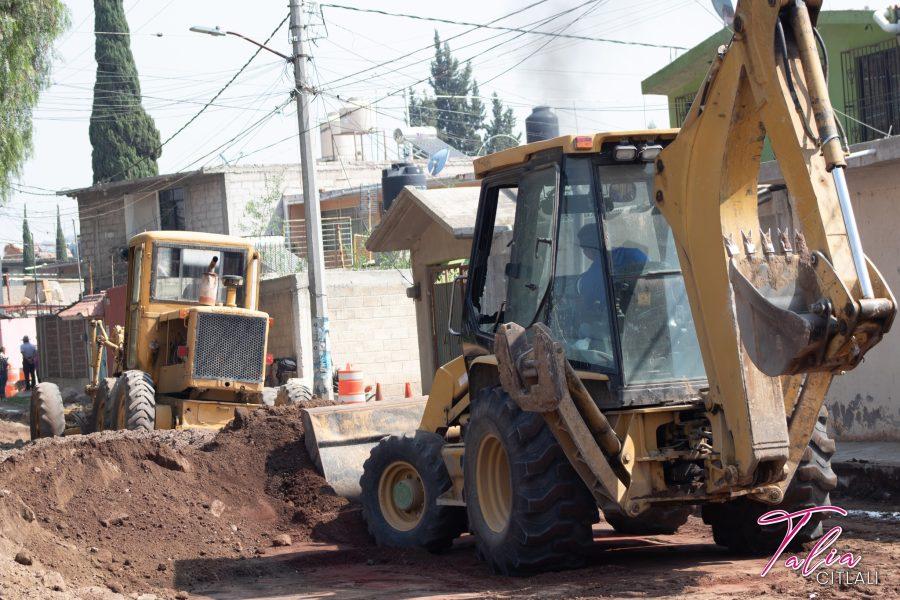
(120, 509)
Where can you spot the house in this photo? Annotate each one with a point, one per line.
(216, 199)
(864, 82)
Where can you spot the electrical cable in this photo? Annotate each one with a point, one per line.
(499, 28)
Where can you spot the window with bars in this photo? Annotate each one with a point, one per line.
(871, 90)
(682, 108)
(171, 210)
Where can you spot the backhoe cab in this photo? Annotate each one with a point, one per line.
(194, 343)
(632, 340)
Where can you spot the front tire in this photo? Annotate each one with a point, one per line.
(734, 523)
(101, 406)
(135, 404)
(293, 393)
(528, 508)
(46, 415)
(401, 482)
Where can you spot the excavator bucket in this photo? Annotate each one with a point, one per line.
(340, 438)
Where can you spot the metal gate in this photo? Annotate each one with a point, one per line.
(872, 90)
(441, 277)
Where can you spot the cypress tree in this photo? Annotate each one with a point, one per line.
(125, 139)
(452, 84)
(61, 252)
(503, 121)
(27, 244)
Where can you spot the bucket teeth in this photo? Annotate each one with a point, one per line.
(730, 246)
(785, 242)
(768, 248)
(800, 243)
(749, 246)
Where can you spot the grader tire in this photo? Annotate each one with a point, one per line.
(401, 482)
(46, 415)
(135, 406)
(658, 520)
(293, 393)
(101, 406)
(528, 509)
(734, 523)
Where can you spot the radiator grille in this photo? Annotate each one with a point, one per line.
(229, 347)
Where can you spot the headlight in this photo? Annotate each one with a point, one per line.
(650, 152)
(625, 152)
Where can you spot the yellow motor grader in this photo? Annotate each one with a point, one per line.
(632, 340)
(193, 347)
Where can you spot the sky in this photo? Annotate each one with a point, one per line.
(595, 86)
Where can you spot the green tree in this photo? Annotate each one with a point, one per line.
(451, 85)
(475, 117)
(61, 252)
(499, 132)
(124, 137)
(28, 29)
(421, 110)
(27, 244)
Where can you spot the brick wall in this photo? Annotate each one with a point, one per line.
(372, 325)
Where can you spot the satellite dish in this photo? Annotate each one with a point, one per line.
(437, 161)
(725, 9)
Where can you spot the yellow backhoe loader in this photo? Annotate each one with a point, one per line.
(632, 340)
(193, 347)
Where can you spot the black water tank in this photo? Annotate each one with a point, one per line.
(400, 175)
(541, 124)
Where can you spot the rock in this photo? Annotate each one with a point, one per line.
(118, 520)
(162, 567)
(147, 597)
(168, 458)
(282, 540)
(216, 508)
(241, 415)
(115, 587)
(94, 550)
(181, 595)
(24, 558)
(27, 513)
(37, 469)
(54, 581)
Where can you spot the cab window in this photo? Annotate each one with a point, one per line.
(178, 271)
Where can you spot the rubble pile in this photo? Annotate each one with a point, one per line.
(127, 511)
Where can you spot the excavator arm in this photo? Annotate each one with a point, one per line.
(778, 314)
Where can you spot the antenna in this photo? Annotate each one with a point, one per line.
(725, 9)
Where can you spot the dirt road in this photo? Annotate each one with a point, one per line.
(181, 514)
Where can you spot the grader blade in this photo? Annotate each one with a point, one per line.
(340, 438)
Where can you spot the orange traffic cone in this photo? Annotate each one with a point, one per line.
(378, 396)
(407, 390)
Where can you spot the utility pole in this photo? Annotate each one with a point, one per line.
(322, 385)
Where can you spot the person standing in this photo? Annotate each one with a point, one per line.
(29, 362)
(4, 372)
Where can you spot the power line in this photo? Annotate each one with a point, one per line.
(501, 28)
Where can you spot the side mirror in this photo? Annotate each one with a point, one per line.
(453, 289)
(123, 253)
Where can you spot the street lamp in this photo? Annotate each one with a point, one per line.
(216, 32)
(312, 211)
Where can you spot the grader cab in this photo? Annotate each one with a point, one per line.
(193, 346)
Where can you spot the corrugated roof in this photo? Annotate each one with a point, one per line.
(89, 307)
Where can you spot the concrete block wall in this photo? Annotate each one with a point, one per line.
(205, 205)
(372, 325)
(102, 232)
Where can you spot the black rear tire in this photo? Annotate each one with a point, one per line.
(657, 520)
(135, 405)
(425, 523)
(293, 393)
(734, 523)
(543, 520)
(47, 414)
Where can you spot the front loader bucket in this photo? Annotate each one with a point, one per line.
(340, 438)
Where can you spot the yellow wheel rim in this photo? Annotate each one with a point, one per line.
(401, 496)
(493, 484)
